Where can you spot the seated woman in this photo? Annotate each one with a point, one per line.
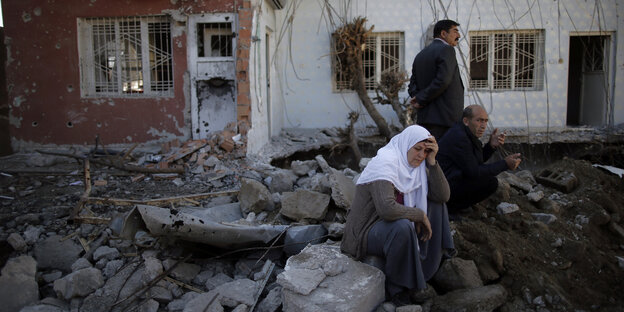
(399, 213)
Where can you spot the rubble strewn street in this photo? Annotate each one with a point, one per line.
(224, 232)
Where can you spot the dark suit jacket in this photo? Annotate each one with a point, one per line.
(461, 155)
(437, 85)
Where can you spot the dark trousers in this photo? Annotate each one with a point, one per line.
(467, 192)
(436, 130)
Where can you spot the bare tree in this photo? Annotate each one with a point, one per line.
(350, 40)
(388, 93)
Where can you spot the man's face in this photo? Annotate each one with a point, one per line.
(478, 122)
(452, 36)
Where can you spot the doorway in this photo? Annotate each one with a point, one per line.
(588, 80)
(211, 62)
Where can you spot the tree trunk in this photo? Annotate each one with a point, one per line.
(360, 88)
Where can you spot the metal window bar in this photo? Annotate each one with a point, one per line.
(132, 55)
(514, 60)
(215, 39)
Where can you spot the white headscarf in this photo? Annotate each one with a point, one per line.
(391, 165)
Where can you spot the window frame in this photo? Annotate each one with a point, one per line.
(147, 26)
(515, 47)
(343, 84)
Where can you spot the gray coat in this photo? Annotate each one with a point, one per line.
(376, 201)
(437, 85)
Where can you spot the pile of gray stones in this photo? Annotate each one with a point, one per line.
(86, 267)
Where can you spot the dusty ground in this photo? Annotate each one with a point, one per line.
(568, 265)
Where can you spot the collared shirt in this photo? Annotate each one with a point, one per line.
(441, 40)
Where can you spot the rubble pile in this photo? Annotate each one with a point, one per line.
(228, 233)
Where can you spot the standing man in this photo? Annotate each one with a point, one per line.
(462, 157)
(436, 87)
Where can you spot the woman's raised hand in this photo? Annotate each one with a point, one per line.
(432, 146)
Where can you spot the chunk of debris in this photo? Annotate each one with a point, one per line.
(299, 237)
(457, 273)
(303, 204)
(545, 218)
(359, 288)
(55, 253)
(343, 189)
(79, 283)
(18, 287)
(254, 197)
(192, 226)
(485, 298)
(561, 180)
(507, 208)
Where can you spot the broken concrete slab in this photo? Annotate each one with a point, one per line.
(507, 208)
(18, 287)
(119, 287)
(457, 273)
(17, 242)
(254, 197)
(535, 196)
(106, 252)
(184, 272)
(301, 281)
(55, 253)
(482, 299)
(208, 302)
(234, 293)
(359, 288)
(182, 225)
(515, 181)
(302, 168)
(545, 218)
(343, 189)
(303, 204)
(298, 237)
(317, 183)
(79, 283)
(217, 280)
(272, 301)
(281, 180)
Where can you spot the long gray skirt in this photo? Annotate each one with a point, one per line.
(410, 262)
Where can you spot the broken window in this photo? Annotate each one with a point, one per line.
(126, 56)
(507, 60)
(383, 52)
(214, 39)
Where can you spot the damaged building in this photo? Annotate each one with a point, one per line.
(135, 73)
(191, 155)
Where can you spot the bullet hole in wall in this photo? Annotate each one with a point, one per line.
(34, 123)
(70, 88)
(70, 124)
(99, 124)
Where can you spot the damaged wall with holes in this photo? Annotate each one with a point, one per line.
(117, 69)
(529, 63)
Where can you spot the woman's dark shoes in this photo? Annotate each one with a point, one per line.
(401, 299)
(422, 295)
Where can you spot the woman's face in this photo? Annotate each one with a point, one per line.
(416, 154)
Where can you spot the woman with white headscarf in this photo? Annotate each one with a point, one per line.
(399, 213)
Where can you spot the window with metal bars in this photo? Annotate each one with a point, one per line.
(214, 39)
(383, 52)
(507, 60)
(126, 56)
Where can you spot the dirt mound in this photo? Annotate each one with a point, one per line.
(570, 263)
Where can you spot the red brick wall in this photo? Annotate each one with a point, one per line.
(245, 16)
(43, 74)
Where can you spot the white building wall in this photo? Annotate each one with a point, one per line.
(304, 63)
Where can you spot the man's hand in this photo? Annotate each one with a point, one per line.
(424, 228)
(513, 161)
(414, 102)
(432, 147)
(497, 139)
